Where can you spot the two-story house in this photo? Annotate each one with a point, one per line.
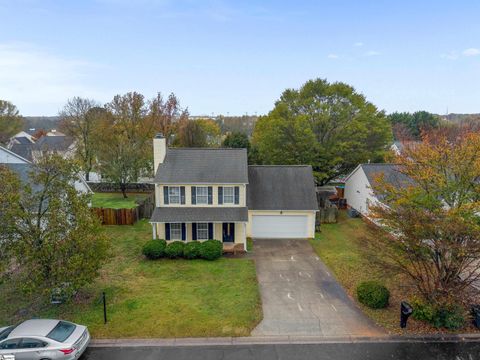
(23, 167)
(212, 193)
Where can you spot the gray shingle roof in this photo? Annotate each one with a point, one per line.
(208, 166)
(194, 214)
(281, 188)
(24, 150)
(22, 140)
(54, 143)
(389, 171)
(23, 171)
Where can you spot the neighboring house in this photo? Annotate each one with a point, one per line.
(60, 144)
(399, 146)
(23, 150)
(361, 181)
(55, 132)
(204, 193)
(23, 167)
(23, 137)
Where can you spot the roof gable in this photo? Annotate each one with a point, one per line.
(11, 156)
(54, 143)
(390, 172)
(203, 165)
(281, 187)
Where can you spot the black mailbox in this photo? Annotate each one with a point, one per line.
(476, 315)
(405, 311)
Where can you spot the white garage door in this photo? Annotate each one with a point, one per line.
(279, 226)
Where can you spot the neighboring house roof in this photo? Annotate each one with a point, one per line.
(22, 140)
(207, 166)
(281, 187)
(53, 143)
(23, 150)
(55, 132)
(198, 214)
(23, 172)
(399, 146)
(10, 156)
(24, 166)
(390, 172)
(24, 133)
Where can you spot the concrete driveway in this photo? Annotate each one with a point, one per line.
(299, 295)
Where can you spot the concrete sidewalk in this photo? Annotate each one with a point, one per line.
(282, 340)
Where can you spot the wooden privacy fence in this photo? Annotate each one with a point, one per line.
(146, 207)
(143, 210)
(117, 216)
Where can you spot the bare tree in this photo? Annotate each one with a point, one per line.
(79, 119)
(165, 114)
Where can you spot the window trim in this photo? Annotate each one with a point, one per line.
(172, 238)
(197, 196)
(198, 231)
(233, 195)
(171, 197)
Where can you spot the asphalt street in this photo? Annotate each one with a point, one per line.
(330, 351)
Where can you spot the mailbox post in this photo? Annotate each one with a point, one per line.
(405, 311)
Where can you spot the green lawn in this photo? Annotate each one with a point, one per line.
(340, 247)
(116, 200)
(164, 298)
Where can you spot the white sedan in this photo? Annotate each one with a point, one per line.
(43, 339)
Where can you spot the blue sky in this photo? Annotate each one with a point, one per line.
(237, 57)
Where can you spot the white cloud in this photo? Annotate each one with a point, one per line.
(372, 53)
(452, 55)
(36, 79)
(358, 44)
(471, 52)
(332, 56)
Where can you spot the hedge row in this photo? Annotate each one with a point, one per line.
(451, 316)
(208, 250)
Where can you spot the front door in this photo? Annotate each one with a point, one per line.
(228, 232)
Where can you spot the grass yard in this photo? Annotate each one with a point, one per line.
(116, 200)
(339, 246)
(164, 298)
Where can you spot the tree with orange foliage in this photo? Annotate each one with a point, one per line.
(434, 219)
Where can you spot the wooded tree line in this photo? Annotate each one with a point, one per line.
(327, 125)
(116, 139)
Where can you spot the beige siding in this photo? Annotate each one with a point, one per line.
(160, 230)
(158, 195)
(240, 237)
(188, 195)
(217, 231)
(309, 213)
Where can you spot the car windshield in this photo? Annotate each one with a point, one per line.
(5, 332)
(61, 331)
